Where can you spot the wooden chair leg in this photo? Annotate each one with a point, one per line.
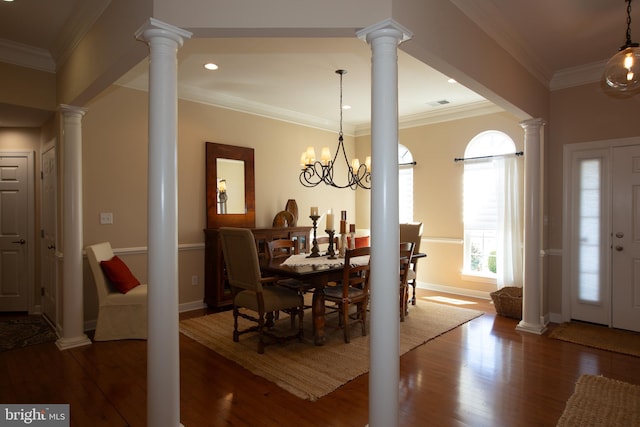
(345, 323)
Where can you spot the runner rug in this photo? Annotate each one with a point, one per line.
(601, 402)
(310, 371)
(24, 331)
(598, 337)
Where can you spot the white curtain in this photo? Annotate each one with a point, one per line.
(509, 230)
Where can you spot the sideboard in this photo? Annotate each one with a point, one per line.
(217, 293)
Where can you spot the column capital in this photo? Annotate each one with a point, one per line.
(532, 123)
(69, 110)
(155, 28)
(388, 27)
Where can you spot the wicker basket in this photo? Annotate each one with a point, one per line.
(508, 301)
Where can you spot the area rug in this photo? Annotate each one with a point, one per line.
(600, 402)
(24, 331)
(598, 337)
(310, 371)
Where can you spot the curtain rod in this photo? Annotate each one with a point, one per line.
(462, 159)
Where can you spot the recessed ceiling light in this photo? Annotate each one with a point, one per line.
(452, 81)
(8, 1)
(346, 107)
(210, 66)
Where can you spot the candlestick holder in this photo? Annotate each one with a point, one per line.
(330, 250)
(343, 245)
(352, 243)
(315, 250)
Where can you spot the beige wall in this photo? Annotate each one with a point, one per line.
(438, 192)
(115, 146)
(578, 114)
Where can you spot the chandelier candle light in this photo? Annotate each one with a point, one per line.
(315, 172)
(622, 72)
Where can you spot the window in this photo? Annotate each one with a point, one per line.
(405, 184)
(482, 202)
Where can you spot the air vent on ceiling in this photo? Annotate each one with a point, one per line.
(438, 103)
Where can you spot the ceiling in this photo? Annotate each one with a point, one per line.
(295, 80)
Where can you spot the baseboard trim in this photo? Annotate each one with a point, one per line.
(454, 290)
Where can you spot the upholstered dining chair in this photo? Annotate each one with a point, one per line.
(250, 294)
(353, 291)
(412, 232)
(122, 314)
(406, 252)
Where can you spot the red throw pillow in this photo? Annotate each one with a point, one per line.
(119, 274)
(360, 242)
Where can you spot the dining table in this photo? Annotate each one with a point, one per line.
(316, 273)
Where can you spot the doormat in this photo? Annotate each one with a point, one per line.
(601, 402)
(24, 331)
(600, 337)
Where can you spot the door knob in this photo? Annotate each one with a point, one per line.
(619, 248)
(51, 246)
(619, 235)
(21, 241)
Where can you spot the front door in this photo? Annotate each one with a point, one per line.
(15, 280)
(625, 257)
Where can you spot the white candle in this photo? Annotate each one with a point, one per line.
(329, 220)
(314, 211)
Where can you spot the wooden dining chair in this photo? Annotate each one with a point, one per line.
(249, 291)
(282, 249)
(406, 252)
(353, 291)
(324, 240)
(412, 232)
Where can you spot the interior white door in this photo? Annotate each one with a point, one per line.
(14, 228)
(48, 242)
(625, 289)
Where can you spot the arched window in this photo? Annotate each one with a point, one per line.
(492, 243)
(405, 184)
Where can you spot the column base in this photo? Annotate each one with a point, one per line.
(532, 328)
(67, 343)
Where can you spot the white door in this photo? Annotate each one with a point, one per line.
(48, 233)
(625, 257)
(15, 279)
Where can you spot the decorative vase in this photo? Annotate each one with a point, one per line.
(292, 206)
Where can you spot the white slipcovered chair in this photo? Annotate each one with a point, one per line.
(120, 316)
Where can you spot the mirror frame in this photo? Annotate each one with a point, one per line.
(215, 151)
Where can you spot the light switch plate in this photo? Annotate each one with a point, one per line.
(106, 218)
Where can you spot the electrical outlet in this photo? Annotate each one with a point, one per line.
(194, 280)
(106, 218)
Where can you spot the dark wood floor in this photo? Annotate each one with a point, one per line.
(484, 373)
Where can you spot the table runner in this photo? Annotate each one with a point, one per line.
(303, 260)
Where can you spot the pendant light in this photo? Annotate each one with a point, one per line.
(623, 69)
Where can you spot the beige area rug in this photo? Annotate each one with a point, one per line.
(599, 337)
(599, 402)
(310, 371)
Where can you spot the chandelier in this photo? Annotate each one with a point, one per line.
(315, 171)
(622, 72)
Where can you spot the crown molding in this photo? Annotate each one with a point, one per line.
(447, 114)
(578, 76)
(26, 56)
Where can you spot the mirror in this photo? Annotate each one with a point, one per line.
(230, 183)
(230, 186)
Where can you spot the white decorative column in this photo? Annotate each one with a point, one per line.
(163, 352)
(384, 359)
(72, 283)
(532, 289)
